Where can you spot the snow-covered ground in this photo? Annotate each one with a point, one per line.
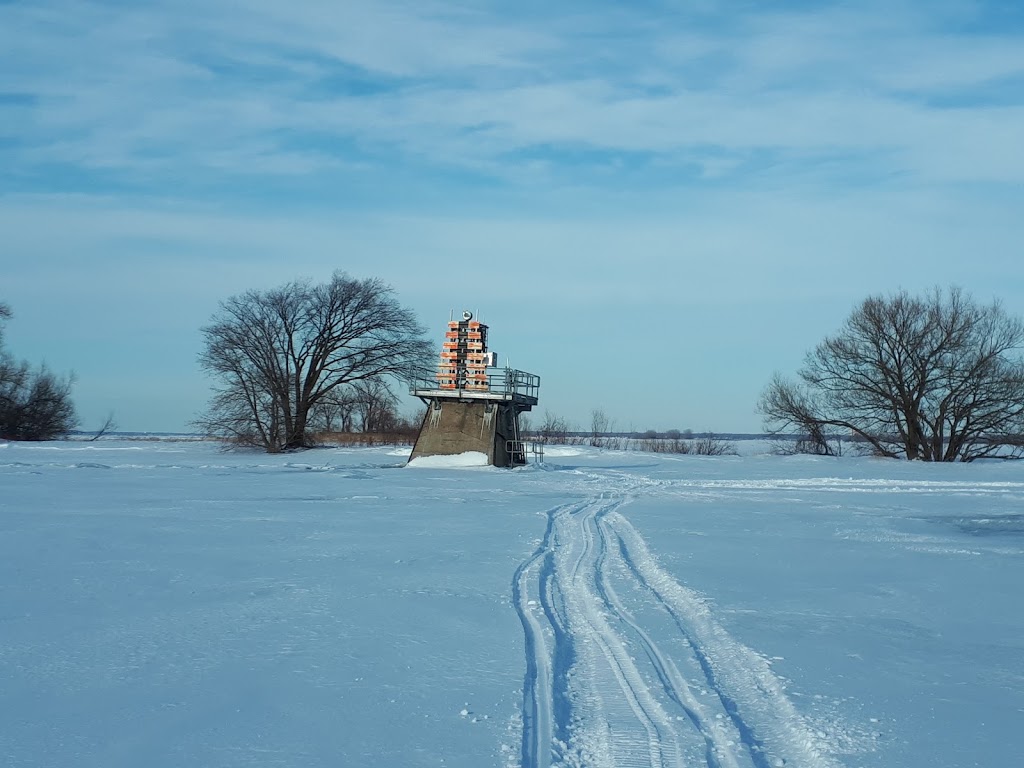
(168, 604)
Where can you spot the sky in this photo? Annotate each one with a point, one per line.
(654, 206)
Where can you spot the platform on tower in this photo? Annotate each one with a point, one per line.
(507, 386)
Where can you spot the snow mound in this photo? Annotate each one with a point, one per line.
(467, 459)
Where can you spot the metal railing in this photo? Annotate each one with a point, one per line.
(509, 382)
(519, 450)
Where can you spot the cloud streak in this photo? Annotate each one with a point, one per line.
(276, 89)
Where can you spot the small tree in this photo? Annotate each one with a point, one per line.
(600, 426)
(376, 405)
(109, 425)
(788, 407)
(34, 404)
(554, 428)
(709, 445)
(335, 412)
(278, 354)
(934, 378)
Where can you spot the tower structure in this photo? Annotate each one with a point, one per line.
(464, 356)
(471, 404)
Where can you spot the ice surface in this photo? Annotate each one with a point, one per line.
(169, 604)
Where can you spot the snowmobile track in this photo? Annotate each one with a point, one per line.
(626, 667)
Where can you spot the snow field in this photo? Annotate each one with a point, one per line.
(170, 604)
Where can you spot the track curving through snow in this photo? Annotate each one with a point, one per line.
(626, 667)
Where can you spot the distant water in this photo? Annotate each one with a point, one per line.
(80, 434)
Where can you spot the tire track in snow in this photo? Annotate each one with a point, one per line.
(549, 651)
(752, 696)
(581, 679)
(588, 701)
(582, 597)
(714, 733)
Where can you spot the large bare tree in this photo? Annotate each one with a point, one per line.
(277, 354)
(936, 378)
(34, 404)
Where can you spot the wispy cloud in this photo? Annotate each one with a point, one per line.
(273, 88)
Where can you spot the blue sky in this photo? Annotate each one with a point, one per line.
(654, 205)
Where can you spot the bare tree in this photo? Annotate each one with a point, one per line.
(788, 407)
(34, 404)
(600, 426)
(707, 445)
(5, 314)
(277, 354)
(376, 405)
(107, 426)
(554, 428)
(934, 378)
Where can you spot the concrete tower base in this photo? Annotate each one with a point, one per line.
(452, 426)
